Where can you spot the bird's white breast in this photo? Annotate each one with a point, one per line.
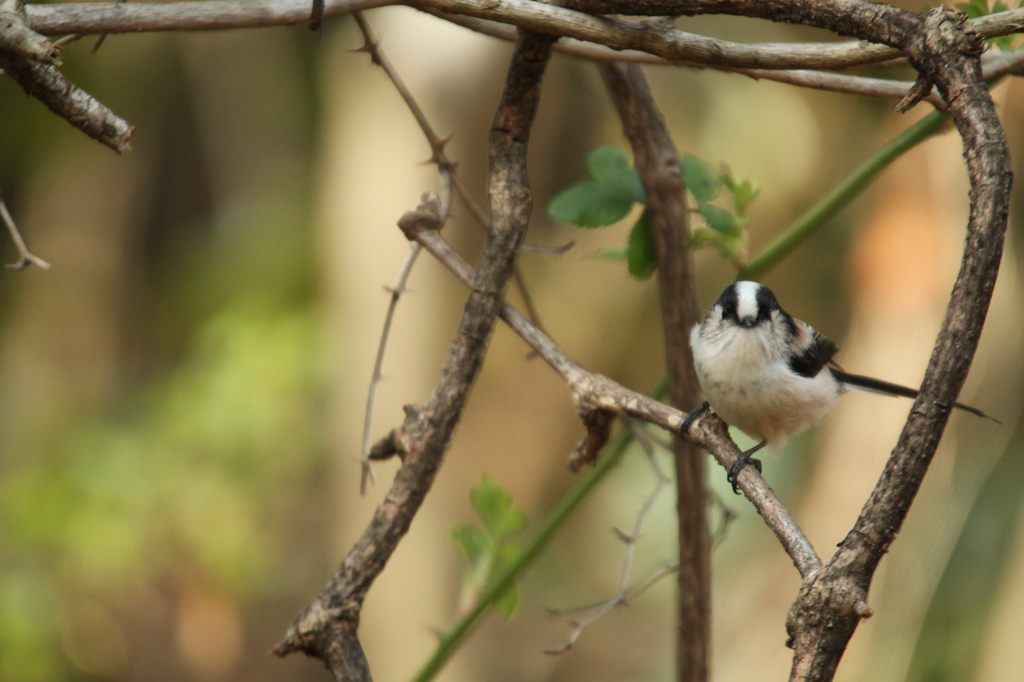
(746, 378)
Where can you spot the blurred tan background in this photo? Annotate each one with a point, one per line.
(182, 397)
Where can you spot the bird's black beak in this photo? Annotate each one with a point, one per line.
(748, 322)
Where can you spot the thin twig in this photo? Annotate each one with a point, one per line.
(396, 293)
(26, 257)
(445, 168)
(621, 595)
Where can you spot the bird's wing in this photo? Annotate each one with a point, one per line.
(812, 351)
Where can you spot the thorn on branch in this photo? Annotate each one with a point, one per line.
(32, 59)
(316, 16)
(388, 446)
(599, 424)
(101, 39)
(921, 89)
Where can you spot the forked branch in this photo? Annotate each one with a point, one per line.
(327, 627)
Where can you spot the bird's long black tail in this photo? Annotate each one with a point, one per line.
(870, 385)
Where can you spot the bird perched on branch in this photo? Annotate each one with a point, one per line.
(769, 374)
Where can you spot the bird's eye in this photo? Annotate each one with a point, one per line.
(728, 310)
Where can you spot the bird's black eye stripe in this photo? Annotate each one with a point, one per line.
(728, 302)
(766, 304)
(729, 310)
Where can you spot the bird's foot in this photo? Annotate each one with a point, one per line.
(690, 418)
(742, 461)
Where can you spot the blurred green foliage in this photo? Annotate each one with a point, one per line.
(196, 474)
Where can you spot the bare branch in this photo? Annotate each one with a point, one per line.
(47, 84)
(32, 60)
(26, 257)
(327, 627)
(995, 65)
(202, 15)
(946, 52)
(651, 37)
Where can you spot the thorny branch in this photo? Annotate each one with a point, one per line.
(995, 66)
(601, 38)
(449, 178)
(327, 627)
(445, 169)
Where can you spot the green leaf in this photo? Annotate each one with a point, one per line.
(718, 219)
(471, 541)
(607, 162)
(592, 204)
(701, 179)
(640, 252)
(494, 506)
(607, 199)
(609, 166)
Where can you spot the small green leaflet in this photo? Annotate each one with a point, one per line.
(487, 549)
(701, 179)
(605, 200)
(640, 252)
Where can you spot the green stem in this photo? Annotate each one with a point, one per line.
(450, 642)
(809, 222)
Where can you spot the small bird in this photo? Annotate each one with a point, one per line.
(769, 374)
